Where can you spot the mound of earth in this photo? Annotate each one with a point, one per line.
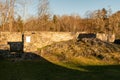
(87, 47)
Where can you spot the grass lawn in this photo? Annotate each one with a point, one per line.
(45, 70)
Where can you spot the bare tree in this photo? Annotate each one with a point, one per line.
(4, 9)
(7, 13)
(24, 8)
(43, 13)
(43, 8)
(11, 14)
(114, 22)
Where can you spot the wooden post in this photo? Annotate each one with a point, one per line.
(23, 41)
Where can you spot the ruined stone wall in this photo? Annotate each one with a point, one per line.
(10, 37)
(106, 37)
(34, 40)
(6, 37)
(102, 36)
(40, 39)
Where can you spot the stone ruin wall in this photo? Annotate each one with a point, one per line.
(101, 36)
(106, 37)
(6, 37)
(41, 39)
(35, 40)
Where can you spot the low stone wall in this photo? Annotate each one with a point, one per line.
(106, 37)
(10, 37)
(34, 40)
(101, 36)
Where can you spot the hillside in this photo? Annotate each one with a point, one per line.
(88, 59)
(87, 51)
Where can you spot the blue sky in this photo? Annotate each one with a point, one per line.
(80, 7)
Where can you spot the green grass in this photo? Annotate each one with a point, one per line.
(45, 70)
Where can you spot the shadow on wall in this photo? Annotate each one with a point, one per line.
(16, 46)
(117, 41)
(85, 35)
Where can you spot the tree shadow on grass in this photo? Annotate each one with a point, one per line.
(41, 69)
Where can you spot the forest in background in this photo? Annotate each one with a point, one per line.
(102, 20)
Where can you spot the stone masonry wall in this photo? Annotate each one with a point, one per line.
(9, 37)
(34, 40)
(6, 37)
(41, 39)
(106, 37)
